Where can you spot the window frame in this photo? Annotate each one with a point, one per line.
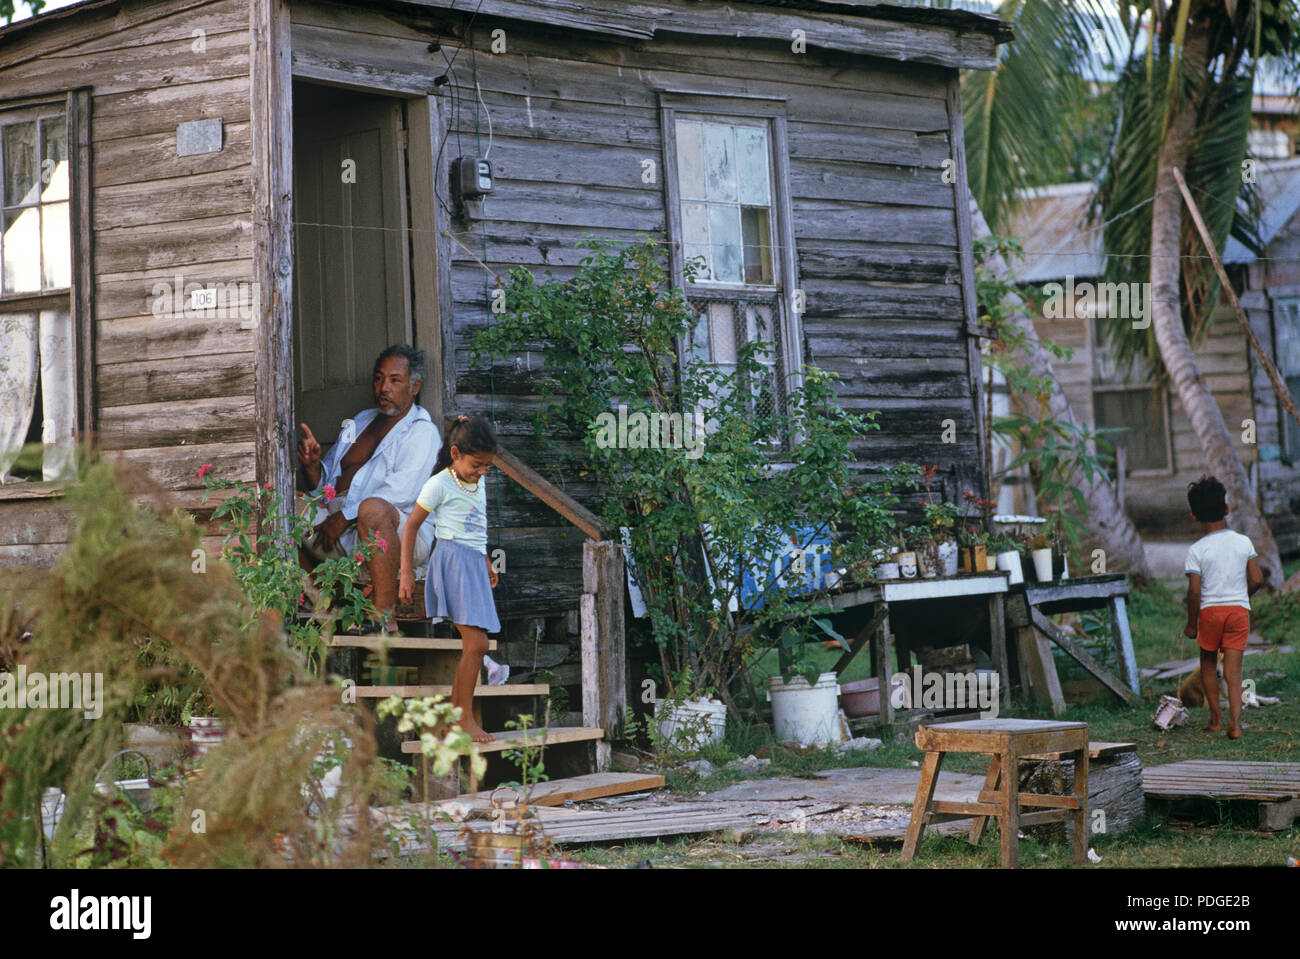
(78, 297)
(1279, 297)
(771, 111)
(1095, 386)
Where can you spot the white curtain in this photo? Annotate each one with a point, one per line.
(31, 345)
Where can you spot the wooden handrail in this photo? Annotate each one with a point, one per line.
(562, 503)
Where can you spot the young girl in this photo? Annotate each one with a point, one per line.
(461, 579)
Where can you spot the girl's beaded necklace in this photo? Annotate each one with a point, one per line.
(467, 489)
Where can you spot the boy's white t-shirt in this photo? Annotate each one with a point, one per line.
(1220, 558)
(457, 515)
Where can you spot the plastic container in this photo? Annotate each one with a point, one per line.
(1010, 562)
(948, 558)
(1042, 564)
(809, 715)
(691, 724)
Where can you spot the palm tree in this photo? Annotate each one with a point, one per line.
(1185, 105)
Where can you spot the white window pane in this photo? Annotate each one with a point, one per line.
(1288, 336)
(724, 236)
(751, 143)
(757, 235)
(22, 251)
(723, 326)
(695, 235)
(720, 161)
(54, 159)
(21, 169)
(700, 339)
(58, 247)
(690, 160)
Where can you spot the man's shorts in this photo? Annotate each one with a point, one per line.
(1223, 627)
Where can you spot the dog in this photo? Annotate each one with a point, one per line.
(1192, 691)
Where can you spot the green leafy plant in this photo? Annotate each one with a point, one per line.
(526, 754)
(769, 480)
(261, 538)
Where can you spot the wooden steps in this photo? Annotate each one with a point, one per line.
(415, 692)
(514, 738)
(379, 642)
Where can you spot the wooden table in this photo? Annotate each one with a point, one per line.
(1029, 604)
(1004, 741)
(990, 585)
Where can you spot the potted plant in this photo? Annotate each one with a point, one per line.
(972, 544)
(1006, 553)
(1040, 552)
(904, 554)
(940, 518)
(922, 541)
(692, 716)
(1058, 535)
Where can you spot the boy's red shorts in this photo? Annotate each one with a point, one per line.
(1223, 627)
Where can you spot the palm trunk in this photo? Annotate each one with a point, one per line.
(1166, 315)
(1109, 527)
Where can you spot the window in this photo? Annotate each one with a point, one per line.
(1286, 329)
(39, 339)
(1123, 399)
(726, 177)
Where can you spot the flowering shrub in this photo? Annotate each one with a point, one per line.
(267, 568)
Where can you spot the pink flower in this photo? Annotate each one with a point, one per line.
(381, 543)
(203, 470)
(268, 486)
(358, 557)
(329, 493)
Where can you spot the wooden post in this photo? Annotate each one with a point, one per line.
(1037, 661)
(604, 658)
(1123, 640)
(998, 644)
(884, 644)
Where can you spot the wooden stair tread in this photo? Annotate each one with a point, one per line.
(378, 641)
(512, 738)
(412, 692)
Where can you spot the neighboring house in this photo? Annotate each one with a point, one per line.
(292, 161)
(1160, 450)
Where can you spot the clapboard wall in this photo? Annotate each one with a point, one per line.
(174, 392)
(573, 115)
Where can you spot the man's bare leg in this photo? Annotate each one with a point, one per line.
(379, 517)
(1210, 680)
(1232, 674)
(473, 646)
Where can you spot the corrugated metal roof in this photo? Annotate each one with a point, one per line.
(1058, 241)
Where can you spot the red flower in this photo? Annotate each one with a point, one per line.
(268, 486)
(930, 470)
(203, 470)
(358, 557)
(329, 493)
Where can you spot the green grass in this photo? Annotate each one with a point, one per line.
(1216, 834)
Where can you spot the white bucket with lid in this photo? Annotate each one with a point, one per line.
(693, 723)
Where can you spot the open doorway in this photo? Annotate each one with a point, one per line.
(352, 261)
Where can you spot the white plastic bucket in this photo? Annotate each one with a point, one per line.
(693, 723)
(1010, 562)
(809, 715)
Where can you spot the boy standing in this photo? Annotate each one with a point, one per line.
(1221, 576)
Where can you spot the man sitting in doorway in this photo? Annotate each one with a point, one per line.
(376, 469)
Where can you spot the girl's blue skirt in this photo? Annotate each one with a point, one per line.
(457, 587)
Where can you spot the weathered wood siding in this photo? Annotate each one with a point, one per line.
(573, 116)
(174, 391)
(1158, 501)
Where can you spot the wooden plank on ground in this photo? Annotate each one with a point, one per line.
(1095, 751)
(411, 692)
(1223, 779)
(515, 738)
(580, 788)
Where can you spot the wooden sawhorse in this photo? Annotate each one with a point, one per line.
(1004, 741)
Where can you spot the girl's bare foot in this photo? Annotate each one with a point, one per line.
(1213, 726)
(476, 733)
(1234, 732)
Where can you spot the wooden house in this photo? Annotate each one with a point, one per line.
(1161, 452)
(250, 198)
